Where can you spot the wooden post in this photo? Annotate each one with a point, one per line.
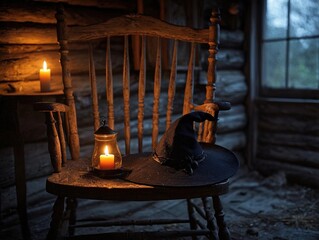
(213, 49)
(67, 82)
(209, 127)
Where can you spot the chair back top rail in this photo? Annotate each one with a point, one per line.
(135, 24)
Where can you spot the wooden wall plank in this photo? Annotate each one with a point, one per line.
(44, 13)
(289, 155)
(119, 4)
(231, 86)
(27, 33)
(295, 173)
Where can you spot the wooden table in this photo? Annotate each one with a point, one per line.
(14, 100)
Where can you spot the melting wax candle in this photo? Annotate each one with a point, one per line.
(106, 160)
(45, 78)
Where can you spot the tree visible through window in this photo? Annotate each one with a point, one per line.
(290, 45)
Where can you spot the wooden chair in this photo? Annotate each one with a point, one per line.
(72, 179)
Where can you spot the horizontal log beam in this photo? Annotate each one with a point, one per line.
(231, 86)
(290, 155)
(232, 120)
(14, 64)
(233, 140)
(45, 13)
(295, 173)
(288, 123)
(293, 139)
(119, 4)
(231, 38)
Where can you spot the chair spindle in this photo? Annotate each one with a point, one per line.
(92, 76)
(141, 95)
(109, 85)
(62, 139)
(189, 88)
(157, 91)
(171, 86)
(54, 142)
(126, 95)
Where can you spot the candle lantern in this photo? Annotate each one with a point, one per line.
(106, 154)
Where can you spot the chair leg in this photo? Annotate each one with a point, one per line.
(21, 191)
(191, 216)
(56, 218)
(210, 218)
(71, 205)
(223, 231)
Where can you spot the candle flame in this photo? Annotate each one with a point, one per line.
(44, 65)
(106, 150)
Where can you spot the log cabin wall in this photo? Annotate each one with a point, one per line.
(29, 37)
(288, 139)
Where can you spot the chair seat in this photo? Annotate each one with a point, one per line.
(76, 180)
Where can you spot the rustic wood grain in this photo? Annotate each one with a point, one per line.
(109, 85)
(116, 189)
(95, 3)
(295, 173)
(144, 25)
(39, 12)
(171, 86)
(94, 97)
(126, 95)
(289, 154)
(141, 94)
(68, 90)
(189, 83)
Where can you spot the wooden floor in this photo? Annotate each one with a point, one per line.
(255, 208)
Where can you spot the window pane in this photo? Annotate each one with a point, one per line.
(304, 64)
(273, 66)
(276, 19)
(304, 18)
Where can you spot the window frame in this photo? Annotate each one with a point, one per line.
(279, 92)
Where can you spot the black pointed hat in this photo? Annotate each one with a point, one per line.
(178, 147)
(180, 160)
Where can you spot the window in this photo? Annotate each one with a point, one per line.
(290, 48)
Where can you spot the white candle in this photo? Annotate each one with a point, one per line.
(106, 160)
(45, 78)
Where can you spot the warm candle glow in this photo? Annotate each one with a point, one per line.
(106, 160)
(45, 78)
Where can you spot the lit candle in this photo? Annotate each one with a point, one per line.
(106, 160)
(45, 77)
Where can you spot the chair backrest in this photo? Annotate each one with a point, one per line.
(153, 92)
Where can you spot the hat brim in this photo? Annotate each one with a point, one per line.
(219, 165)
